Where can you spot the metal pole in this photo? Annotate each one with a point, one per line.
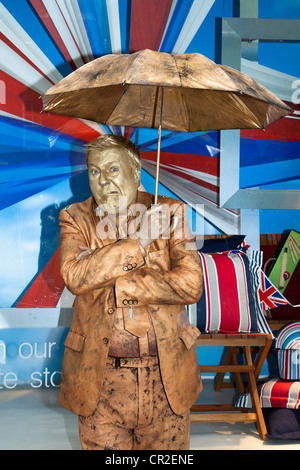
(158, 146)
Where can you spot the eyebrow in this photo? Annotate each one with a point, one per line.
(115, 163)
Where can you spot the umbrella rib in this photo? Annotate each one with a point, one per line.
(118, 100)
(254, 117)
(155, 107)
(181, 93)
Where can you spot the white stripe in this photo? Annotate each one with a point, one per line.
(245, 321)
(294, 398)
(13, 116)
(213, 294)
(192, 311)
(94, 125)
(227, 221)
(66, 299)
(79, 30)
(114, 25)
(266, 391)
(279, 83)
(18, 36)
(35, 317)
(214, 180)
(195, 18)
(168, 21)
(292, 117)
(19, 69)
(59, 22)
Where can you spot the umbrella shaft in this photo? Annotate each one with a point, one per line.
(158, 146)
(157, 164)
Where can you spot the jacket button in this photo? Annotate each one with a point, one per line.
(105, 340)
(125, 268)
(110, 311)
(125, 302)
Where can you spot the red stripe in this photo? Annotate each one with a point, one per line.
(298, 399)
(128, 132)
(23, 102)
(194, 179)
(50, 26)
(212, 202)
(191, 178)
(24, 57)
(287, 129)
(245, 289)
(264, 296)
(204, 163)
(47, 288)
(228, 303)
(280, 394)
(148, 21)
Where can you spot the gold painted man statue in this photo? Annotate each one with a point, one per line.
(130, 367)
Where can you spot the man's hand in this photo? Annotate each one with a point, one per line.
(155, 223)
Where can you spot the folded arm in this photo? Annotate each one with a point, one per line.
(118, 264)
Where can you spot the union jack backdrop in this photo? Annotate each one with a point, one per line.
(43, 155)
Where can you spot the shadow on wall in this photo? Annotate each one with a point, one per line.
(46, 286)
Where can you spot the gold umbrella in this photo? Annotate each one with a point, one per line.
(181, 92)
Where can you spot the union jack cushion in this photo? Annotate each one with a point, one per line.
(230, 303)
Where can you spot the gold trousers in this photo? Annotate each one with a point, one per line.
(133, 412)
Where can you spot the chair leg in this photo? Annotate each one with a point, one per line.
(261, 426)
(230, 356)
(218, 382)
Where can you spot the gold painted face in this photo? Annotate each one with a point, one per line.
(112, 179)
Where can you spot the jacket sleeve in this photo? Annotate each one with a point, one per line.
(182, 284)
(98, 269)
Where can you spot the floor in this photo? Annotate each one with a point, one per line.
(31, 419)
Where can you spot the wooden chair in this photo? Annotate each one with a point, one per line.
(234, 344)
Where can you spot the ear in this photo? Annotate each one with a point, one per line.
(136, 175)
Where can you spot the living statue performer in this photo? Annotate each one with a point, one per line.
(130, 369)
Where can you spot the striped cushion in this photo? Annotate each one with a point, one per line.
(287, 346)
(278, 393)
(228, 303)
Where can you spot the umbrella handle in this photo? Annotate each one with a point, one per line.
(158, 147)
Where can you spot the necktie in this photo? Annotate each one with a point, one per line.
(136, 320)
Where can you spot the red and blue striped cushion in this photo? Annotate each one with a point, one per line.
(278, 393)
(275, 393)
(287, 346)
(228, 301)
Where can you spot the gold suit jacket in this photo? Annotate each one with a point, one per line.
(164, 277)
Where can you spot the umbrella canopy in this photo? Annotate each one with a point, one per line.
(181, 92)
(199, 95)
